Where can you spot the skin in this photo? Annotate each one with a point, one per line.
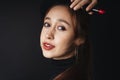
(77, 4)
(58, 30)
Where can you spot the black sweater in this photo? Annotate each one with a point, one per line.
(58, 66)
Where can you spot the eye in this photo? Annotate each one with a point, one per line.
(46, 24)
(61, 28)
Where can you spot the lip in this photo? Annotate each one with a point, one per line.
(48, 46)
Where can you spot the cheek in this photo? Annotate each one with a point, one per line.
(64, 39)
(42, 34)
(65, 45)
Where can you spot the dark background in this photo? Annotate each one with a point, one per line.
(20, 54)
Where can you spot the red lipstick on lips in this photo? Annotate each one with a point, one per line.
(48, 46)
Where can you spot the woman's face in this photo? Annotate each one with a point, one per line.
(57, 37)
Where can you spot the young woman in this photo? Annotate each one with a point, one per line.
(64, 40)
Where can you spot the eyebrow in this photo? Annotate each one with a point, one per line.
(47, 18)
(61, 20)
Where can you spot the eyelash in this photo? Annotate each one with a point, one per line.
(46, 24)
(62, 28)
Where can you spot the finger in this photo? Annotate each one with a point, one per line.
(90, 13)
(81, 4)
(75, 2)
(91, 5)
(71, 0)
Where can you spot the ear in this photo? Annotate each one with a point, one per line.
(79, 41)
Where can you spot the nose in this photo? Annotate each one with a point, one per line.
(50, 34)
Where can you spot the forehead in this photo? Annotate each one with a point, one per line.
(59, 10)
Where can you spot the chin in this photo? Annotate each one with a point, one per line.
(47, 56)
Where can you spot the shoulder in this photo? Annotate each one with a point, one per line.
(72, 73)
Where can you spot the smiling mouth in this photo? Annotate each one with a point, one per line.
(48, 46)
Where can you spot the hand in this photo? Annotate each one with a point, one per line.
(77, 4)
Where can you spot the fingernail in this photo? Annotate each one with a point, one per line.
(70, 6)
(71, 0)
(87, 10)
(75, 8)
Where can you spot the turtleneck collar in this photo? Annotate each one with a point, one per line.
(63, 63)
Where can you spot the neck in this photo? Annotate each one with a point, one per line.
(67, 56)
